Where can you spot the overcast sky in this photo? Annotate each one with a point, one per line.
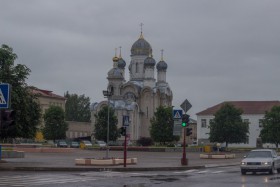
(216, 50)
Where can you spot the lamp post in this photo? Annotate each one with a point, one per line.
(107, 94)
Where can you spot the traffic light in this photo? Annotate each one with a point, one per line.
(123, 131)
(7, 121)
(189, 131)
(185, 120)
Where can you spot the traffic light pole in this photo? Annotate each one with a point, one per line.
(184, 159)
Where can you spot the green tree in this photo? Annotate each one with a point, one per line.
(24, 103)
(161, 129)
(77, 108)
(270, 132)
(101, 123)
(55, 125)
(228, 126)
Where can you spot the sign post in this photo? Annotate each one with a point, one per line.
(125, 125)
(186, 105)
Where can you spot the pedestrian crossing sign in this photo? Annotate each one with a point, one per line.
(125, 121)
(177, 114)
(4, 95)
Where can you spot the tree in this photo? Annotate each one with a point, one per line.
(228, 126)
(77, 108)
(161, 129)
(271, 126)
(24, 103)
(55, 124)
(101, 123)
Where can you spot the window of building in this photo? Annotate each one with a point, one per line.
(203, 123)
(137, 67)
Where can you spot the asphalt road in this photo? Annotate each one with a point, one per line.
(207, 177)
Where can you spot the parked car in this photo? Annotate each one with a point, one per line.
(100, 144)
(261, 160)
(74, 144)
(85, 144)
(62, 143)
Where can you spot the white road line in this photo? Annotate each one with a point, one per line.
(187, 171)
(201, 172)
(217, 172)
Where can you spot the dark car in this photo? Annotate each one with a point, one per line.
(74, 144)
(62, 143)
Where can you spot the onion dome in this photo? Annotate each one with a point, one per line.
(141, 47)
(161, 65)
(149, 61)
(115, 73)
(121, 62)
(115, 59)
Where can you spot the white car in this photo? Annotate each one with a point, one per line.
(261, 160)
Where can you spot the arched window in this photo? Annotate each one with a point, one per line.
(137, 68)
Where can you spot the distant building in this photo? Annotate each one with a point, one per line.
(253, 112)
(142, 94)
(46, 99)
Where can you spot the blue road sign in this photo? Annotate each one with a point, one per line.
(4, 95)
(177, 114)
(125, 121)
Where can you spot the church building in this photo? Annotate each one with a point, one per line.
(142, 94)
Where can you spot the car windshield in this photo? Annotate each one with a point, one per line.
(259, 154)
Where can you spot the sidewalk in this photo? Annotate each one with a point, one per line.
(147, 161)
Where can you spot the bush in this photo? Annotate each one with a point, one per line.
(145, 141)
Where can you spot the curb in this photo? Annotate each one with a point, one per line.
(127, 169)
(100, 169)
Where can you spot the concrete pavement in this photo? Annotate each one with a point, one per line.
(147, 161)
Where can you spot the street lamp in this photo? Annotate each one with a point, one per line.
(107, 94)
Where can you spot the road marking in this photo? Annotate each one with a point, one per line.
(201, 172)
(187, 171)
(215, 172)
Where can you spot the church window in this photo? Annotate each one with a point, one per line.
(112, 90)
(137, 68)
(147, 112)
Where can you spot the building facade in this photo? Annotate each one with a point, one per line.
(142, 94)
(47, 98)
(253, 112)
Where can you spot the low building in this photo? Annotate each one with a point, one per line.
(253, 112)
(46, 99)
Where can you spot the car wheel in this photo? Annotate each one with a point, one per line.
(243, 172)
(271, 171)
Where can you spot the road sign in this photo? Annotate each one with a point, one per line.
(186, 105)
(4, 95)
(177, 114)
(177, 127)
(125, 121)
